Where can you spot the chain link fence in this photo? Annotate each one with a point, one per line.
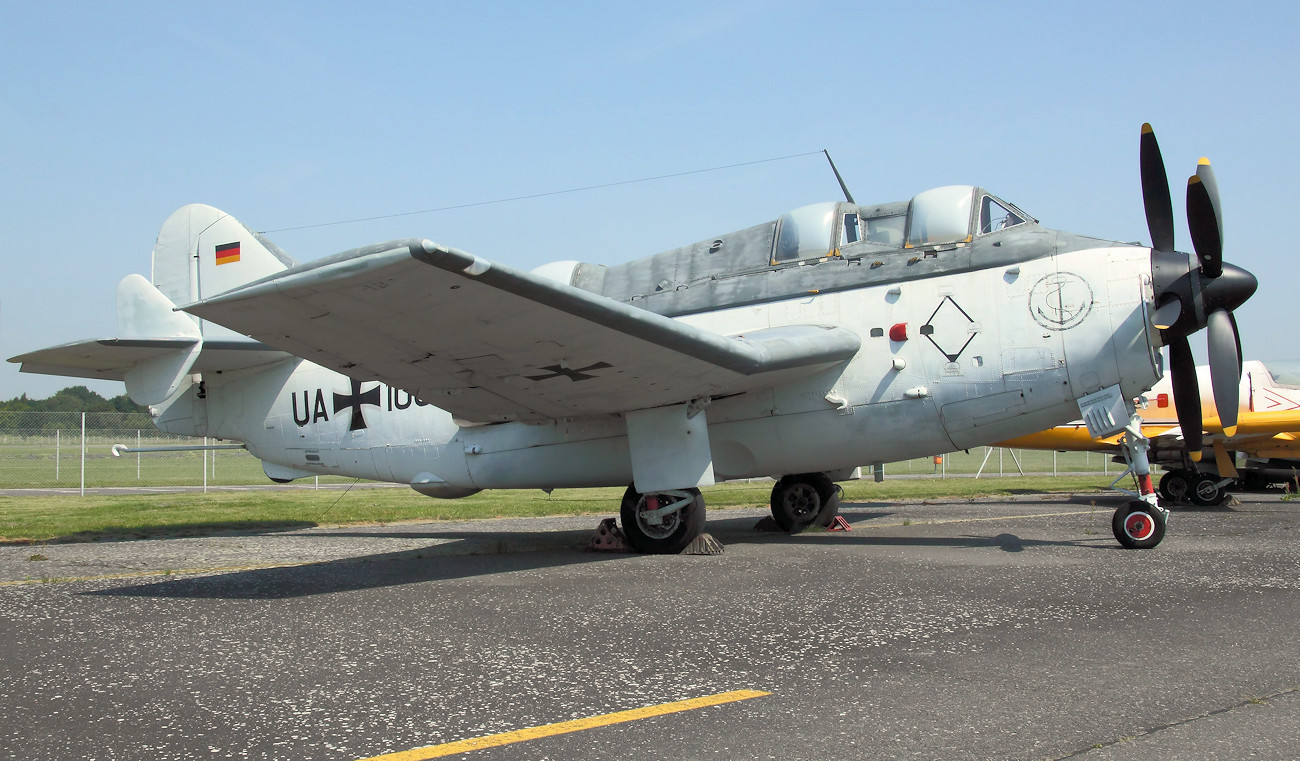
(992, 462)
(74, 450)
(42, 450)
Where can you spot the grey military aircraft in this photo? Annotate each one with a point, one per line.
(801, 348)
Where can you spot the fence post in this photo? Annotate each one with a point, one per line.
(83, 454)
(205, 466)
(137, 454)
(57, 431)
(1053, 463)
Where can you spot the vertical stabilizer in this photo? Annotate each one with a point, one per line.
(202, 251)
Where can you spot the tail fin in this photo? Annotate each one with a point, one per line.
(202, 252)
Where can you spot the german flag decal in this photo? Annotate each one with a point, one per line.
(228, 253)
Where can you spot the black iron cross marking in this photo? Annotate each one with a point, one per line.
(354, 401)
(574, 375)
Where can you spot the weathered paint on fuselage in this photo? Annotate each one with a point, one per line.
(999, 337)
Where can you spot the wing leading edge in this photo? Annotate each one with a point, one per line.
(489, 342)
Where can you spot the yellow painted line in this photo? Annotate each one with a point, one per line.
(564, 727)
(160, 572)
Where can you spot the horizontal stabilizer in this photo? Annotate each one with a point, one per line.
(113, 358)
(488, 342)
(155, 350)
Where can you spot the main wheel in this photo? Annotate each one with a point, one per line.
(830, 508)
(1174, 486)
(1138, 526)
(800, 500)
(668, 535)
(1206, 491)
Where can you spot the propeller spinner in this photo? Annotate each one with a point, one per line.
(1194, 294)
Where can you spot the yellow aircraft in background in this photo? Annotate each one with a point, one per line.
(1263, 451)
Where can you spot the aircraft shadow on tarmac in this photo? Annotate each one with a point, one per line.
(181, 530)
(472, 554)
(442, 562)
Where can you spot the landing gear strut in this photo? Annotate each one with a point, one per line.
(1139, 525)
(799, 501)
(664, 523)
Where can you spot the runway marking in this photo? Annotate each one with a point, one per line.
(564, 727)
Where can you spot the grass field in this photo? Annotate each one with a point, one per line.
(47, 461)
(98, 518)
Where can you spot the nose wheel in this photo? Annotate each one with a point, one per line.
(1138, 525)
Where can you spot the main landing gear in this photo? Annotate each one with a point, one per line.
(1202, 489)
(805, 499)
(664, 523)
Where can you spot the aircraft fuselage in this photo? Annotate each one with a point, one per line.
(947, 362)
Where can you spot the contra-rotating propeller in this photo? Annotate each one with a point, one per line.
(1194, 296)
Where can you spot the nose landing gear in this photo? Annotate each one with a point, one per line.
(1140, 524)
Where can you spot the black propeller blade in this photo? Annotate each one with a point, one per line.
(1155, 193)
(1203, 222)
(1187, 395)
(1186, 302)
(1225, 377)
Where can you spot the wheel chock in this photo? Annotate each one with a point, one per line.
(839, 524)
(704, 544)
(609, 538)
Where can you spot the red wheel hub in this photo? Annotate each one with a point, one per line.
(1139, 526)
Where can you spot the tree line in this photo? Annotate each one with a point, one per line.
(72, 399)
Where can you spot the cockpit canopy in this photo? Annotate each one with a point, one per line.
(950, 214)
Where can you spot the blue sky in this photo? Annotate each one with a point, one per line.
(113, 115)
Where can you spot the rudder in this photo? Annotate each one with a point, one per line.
(202, 251)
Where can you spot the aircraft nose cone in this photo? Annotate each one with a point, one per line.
(1231, 289)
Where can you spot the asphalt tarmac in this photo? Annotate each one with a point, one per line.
(965, 630)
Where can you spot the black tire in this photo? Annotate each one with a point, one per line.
(1205, 491)
(797, 501)
(673, 536)
(831, 508)
(1138, 526)
(1174, 486)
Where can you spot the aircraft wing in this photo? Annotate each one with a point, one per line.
(1259, 434)
(1264, 434)
(490, 343)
